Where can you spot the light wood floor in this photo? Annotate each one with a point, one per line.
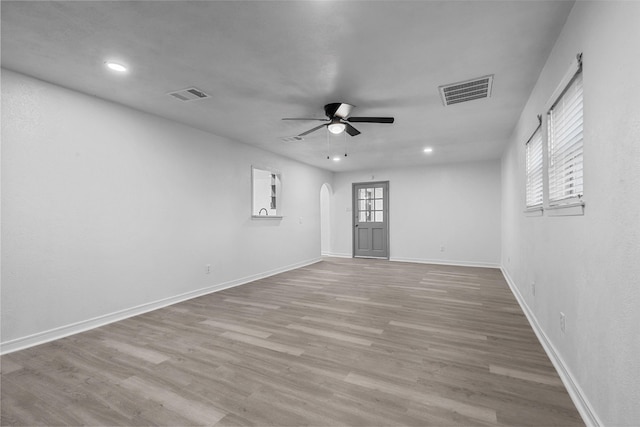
(341, 342)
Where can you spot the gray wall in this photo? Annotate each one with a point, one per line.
(107, 211)
(452, 205)
(587, 266)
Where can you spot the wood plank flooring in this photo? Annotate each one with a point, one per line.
(342, 342)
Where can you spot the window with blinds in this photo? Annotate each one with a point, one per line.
(534, 170)
(565, 145)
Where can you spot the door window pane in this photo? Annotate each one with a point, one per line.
(370, 205)
(370, 193)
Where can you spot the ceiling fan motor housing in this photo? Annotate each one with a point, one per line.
(337, 109)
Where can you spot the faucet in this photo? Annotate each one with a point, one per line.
(265, 211)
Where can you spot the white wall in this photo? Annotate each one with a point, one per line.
(106, 210)
(455, 205)
(588, 266)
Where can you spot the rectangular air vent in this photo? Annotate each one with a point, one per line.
(291, 138)
(469, 90)
(190, 94)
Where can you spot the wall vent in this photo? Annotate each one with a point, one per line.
(469, 90)
(291, 138)
(190, 94)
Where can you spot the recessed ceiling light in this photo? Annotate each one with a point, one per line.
(336, 159)
(428, 150)
(116, 66)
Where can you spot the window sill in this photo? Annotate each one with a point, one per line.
(266, 217)
(570, 209)
(534, 211)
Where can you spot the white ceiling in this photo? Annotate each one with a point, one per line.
(262, 61)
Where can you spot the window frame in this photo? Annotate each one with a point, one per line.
(535, 170)
(565, 203)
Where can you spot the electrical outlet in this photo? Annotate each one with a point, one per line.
(208, 270)
(442, 248)
(533, 288)
(563, 322)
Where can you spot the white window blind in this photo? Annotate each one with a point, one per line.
(534, 169)
(565, 145)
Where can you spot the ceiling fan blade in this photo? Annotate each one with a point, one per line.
(305, 118)
(370, 119)
(311, 130)
(351, 130)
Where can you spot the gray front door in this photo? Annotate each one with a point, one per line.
(371, 219)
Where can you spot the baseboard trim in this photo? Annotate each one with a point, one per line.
(338, 255)
(578, 397)
(447, 262)
(85, 325)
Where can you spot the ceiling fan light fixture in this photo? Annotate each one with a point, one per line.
(336, 128)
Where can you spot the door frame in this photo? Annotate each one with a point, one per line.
(354, 212)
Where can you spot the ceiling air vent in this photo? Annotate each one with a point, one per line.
(291, 138)
(469, 90)
(190, 94)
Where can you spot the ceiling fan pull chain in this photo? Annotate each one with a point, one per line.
(328, 152)
(344, 137)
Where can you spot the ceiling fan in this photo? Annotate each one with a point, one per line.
(338, 116)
